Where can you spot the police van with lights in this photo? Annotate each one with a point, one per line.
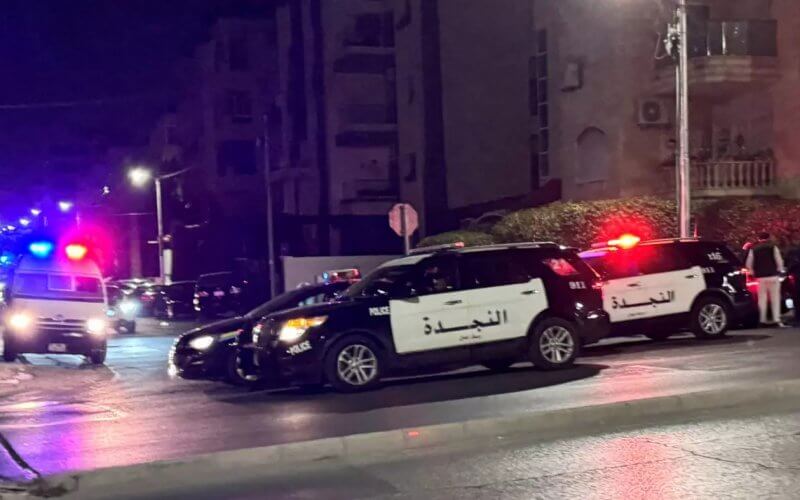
(661, 287)
(439, 309)
(56, 304)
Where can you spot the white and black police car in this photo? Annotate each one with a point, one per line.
(662, 287)
(439, 309)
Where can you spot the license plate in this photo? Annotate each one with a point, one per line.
(219, 293)
(57, 347)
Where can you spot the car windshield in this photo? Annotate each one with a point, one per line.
(57, 287)
(284, 301)
(381, 282)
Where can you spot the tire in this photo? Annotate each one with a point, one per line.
(563, 342)
(238, 373)
(658, 336)
(502, 365)
(710, 318)
(98, 356)
(355, 378)
(9, 352)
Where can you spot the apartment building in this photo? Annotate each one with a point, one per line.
(606, 100)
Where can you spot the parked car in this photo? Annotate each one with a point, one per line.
(662, 287)
(218, 294)
(175, 301)
(211, 350)
(122, 309)
(439, 309)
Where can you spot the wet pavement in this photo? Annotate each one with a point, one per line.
(61, 415)
(744, 457)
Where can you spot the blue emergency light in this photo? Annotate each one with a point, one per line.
(41, 249)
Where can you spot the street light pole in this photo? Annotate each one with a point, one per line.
(684, 166)
(160, 217)
(273, 286)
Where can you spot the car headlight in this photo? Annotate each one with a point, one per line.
(20, 321)
(96, 326)
(201, 343)
(295, 328)
(128, 306)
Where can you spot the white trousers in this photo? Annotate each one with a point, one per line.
(769, 290)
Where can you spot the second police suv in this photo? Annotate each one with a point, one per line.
(662, 287)
(438, 309)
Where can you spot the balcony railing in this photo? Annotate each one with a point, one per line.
(369, 190)
(730, 178)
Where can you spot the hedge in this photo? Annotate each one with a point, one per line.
(739, 220)
(580, 224)
(470, 238)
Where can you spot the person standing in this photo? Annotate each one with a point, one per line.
(765, 263)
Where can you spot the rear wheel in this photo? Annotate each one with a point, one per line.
(710, 318)
(354, 365)
(554, 344)
(9, 351)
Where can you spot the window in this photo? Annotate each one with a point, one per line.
(389, 281)
(237, 56)
(30, 283)
(542, 99)
(238, 157)
(87, 285)
(615, 264)
(438, 275)
(709, 254)
(653, 259)
(489, 269)
(59, 282)
(240, 106)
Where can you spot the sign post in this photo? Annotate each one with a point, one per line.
(403, 219)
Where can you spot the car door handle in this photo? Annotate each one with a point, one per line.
(452, 302)
(529, 292)
(633, 285)
(690, 276)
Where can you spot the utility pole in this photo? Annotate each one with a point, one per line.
(160, 217)
(273, 286)
(684, 166)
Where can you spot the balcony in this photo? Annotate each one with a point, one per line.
(730, 56)
(366, 125)
(360, 190)
(716, 179)
(368, 48)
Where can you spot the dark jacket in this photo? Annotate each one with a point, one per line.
(765, 260)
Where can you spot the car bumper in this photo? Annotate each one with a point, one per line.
(593, 326)
(189, 363)
(55, 342)
(743, 306)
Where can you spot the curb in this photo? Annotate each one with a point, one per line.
(234, 465)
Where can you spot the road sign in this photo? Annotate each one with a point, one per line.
(403, 219)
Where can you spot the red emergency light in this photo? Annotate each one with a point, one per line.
(76, 251)
(625, 241)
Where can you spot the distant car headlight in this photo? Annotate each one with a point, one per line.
(96, 326)
(20, 321)
(293, 329)
(128, 307)
(201, 343)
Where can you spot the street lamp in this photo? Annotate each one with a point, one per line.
(139, 176)
(65, 206)
(36, 212)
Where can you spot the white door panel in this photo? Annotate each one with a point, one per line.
(429, 322)
(653, 295)
(504, 312)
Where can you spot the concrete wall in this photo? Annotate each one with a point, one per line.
(786, 94)
(484, 54)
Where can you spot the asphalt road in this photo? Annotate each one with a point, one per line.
(734, 457)
(61, 415)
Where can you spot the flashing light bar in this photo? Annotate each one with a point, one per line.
(41, 249)
(75, 251)
(625, 241)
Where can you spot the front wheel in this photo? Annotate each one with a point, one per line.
(354, 365)
(554, 344)
(98, 356)
(241, 370)
(710, 318)
(9, 352)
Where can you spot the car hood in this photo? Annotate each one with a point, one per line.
(216, 328)
(318, 309)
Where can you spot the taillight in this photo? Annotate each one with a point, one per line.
(598, 285)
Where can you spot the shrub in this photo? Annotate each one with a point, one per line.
(470, 238)
(739, 220)
(580, 224)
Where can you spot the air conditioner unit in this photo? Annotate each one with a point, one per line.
(653, 113)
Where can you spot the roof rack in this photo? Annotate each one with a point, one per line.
(437, 248)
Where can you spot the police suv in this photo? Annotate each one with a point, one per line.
(661, 287)
(438, 309)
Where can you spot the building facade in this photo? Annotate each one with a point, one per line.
(607, 111)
